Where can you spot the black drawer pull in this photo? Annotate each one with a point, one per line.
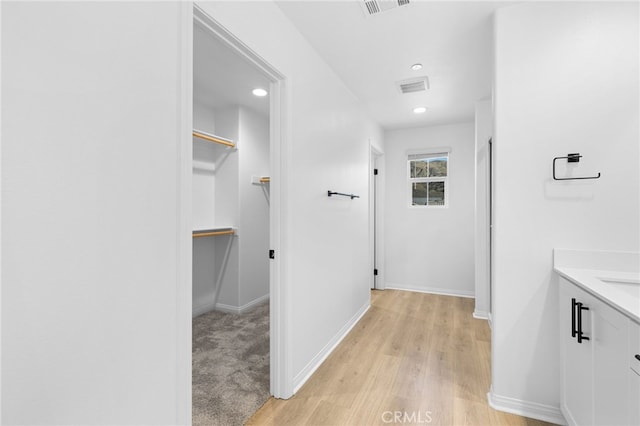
(573, 317)
(581, 308)
(638, 357)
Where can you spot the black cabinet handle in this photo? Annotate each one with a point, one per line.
(573, 318)
(638, 357)
(581, 308)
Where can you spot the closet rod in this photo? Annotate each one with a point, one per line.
(265, 179)
(213, 233)
(213, 138)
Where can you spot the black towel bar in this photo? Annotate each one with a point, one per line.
(571, 158)
(330, 193)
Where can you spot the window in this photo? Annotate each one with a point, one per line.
(428, 179)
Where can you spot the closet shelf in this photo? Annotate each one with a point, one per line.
(213, 232)
(213, 138)
(260, 179)
(203, 165)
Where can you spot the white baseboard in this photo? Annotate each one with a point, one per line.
(201, 309)
(431, 290)
(204, 308)
(241, 309)
(302, 377)
(529, 409)
(481, 315)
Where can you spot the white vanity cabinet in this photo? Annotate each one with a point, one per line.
(576, 358)
(610, 371)
(594, 360)
(634, 373)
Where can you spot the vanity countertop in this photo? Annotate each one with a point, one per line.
(620, 289)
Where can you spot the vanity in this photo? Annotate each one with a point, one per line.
(599, 327)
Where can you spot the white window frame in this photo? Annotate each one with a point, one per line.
(435, 152)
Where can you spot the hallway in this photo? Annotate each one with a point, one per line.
(414, 358)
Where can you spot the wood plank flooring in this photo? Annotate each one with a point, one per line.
(412, 359)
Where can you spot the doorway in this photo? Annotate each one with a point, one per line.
(376, 216)
(235, 207)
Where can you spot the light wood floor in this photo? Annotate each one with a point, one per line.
(421, 357)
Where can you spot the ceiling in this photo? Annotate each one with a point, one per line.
(222, 78)
(451, 39)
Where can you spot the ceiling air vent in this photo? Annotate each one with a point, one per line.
(412, 85)
(374, 7)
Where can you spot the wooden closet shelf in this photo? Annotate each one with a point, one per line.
(257, 180)
(213, 138)
(213, 232)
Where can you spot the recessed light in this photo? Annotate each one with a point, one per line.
(416, 67)
(259, 92)
(420, 110)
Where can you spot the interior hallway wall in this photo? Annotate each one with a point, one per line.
(430, 249)
(566, 81)
(91, 125)
(328, 265)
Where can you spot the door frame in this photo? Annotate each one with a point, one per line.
(376, 217)
(281, 381)
(482, 209)
(490, 233)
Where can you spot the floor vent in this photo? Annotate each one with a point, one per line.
(413, 85)
(374, 7)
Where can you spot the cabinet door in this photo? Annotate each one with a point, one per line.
(634, 373)
(610, 365)
(634, 397)
(576, 358)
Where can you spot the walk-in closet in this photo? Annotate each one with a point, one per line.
(230, 216)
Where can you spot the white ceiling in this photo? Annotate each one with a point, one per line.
(222, 78)
(452, 40)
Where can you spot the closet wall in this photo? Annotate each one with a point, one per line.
(224, 195)
(253, 217)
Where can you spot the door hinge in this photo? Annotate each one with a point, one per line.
(375, 272)
(375, 172)
(272, 254)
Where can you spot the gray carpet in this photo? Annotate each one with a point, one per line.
(230, 366)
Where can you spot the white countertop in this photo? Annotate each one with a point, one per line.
(623, 294)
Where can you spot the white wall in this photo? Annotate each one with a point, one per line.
(430, 249)
(215, 204)
(253, 220)
(227, 124)
(483, 132)
(326, 265)
(238, 203)
(566, 81)
(90, 234)
(203, 210)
